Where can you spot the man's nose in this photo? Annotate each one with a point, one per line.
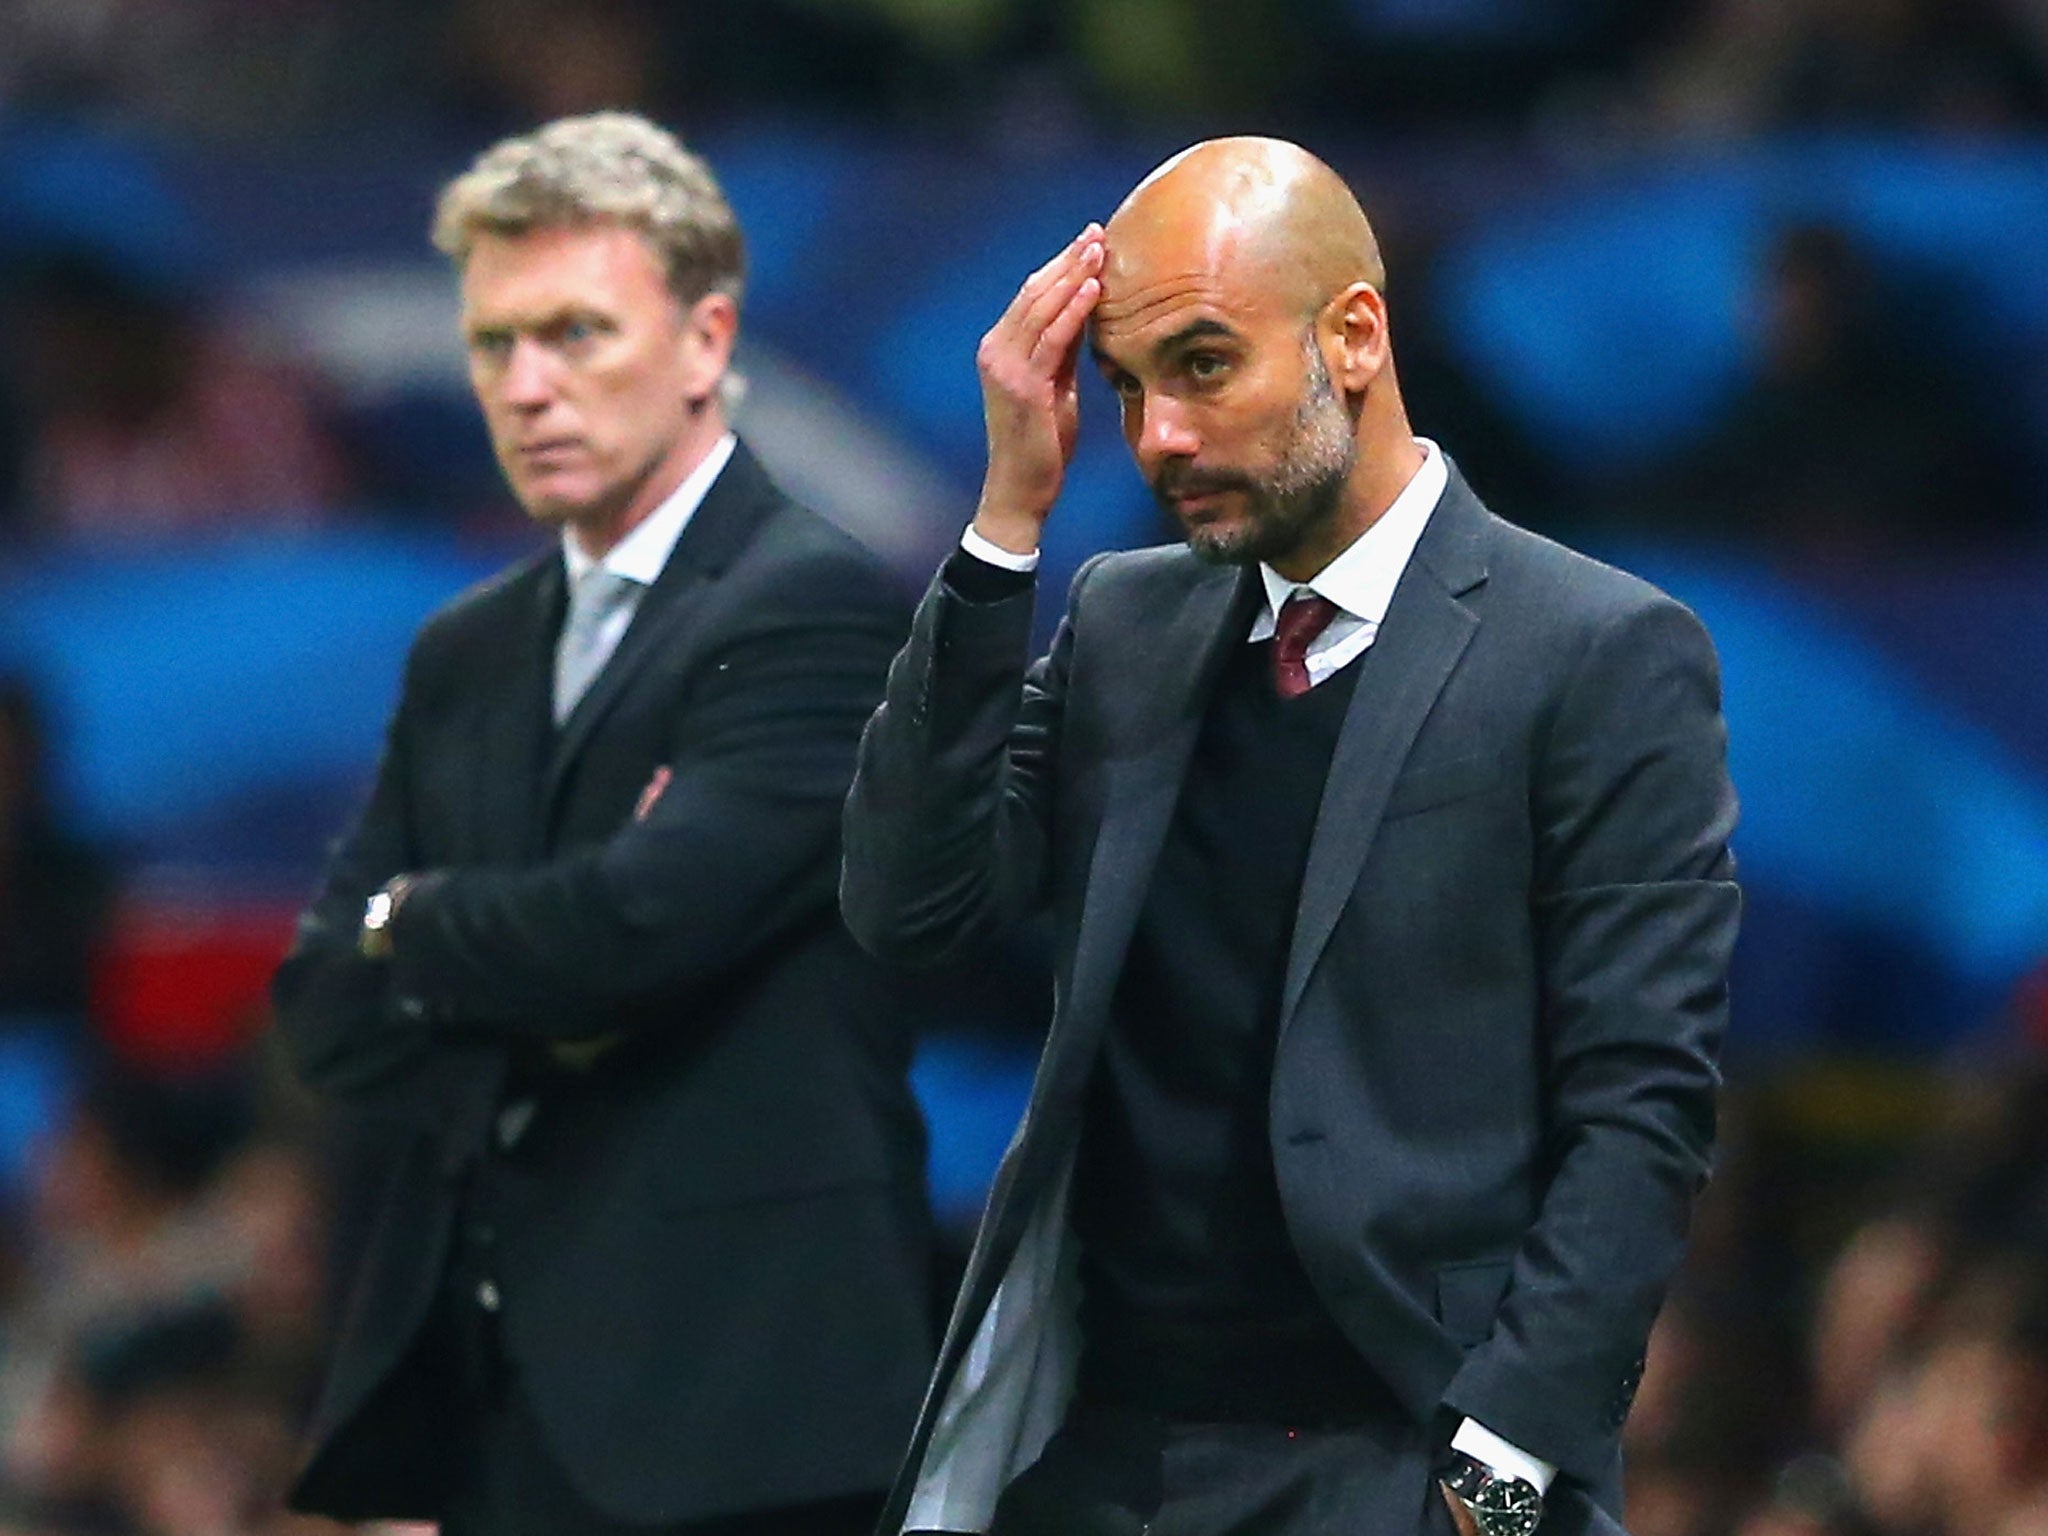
(529, 378)
(1164, 432)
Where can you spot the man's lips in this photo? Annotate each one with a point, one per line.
(548, 450)
(1195, 500)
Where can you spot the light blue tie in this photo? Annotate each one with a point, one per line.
(587, 640)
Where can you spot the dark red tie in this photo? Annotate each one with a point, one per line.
(1302, 617)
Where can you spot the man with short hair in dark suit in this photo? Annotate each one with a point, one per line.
(1386, 850)
(651, 1255)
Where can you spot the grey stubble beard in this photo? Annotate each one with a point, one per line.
(1300, 494)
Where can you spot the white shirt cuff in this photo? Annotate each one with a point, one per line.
(1482, 1444)
(995, 554)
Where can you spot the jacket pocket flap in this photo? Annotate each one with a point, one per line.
(1432, 784)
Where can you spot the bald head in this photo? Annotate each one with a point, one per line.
(1241, 322)
(1263, 210)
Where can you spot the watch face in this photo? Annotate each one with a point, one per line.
(1507, 1507)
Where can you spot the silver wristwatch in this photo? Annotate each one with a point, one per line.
(1500, 1506)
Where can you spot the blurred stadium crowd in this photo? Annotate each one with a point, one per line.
(1828, 428)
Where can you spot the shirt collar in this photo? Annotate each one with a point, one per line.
(1362, 579)
(641, 554)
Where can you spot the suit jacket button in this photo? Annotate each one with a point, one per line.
(487, 1295)
(413, 1007)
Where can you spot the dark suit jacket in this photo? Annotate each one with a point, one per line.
(1493, 1099)
(714, 1273)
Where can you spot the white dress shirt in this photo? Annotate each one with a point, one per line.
(1361, 580)
(641, 554)
(994, 553)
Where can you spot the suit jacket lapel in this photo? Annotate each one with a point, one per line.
(1426, 630)
(514, 728)
(731, 513)
(1164, 674)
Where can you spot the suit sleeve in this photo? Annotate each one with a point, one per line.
(948, 823)
(733, 857)
(1635, 912)
(333, 1006)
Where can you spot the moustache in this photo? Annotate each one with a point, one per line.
(1180, 479)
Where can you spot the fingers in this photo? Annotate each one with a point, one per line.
(1079, 263)
(1036, 340)
(1029, 400)
(1047, 292)
(1058, 344)
(1053, 272)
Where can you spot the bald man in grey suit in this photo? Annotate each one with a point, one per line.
(1386, 847)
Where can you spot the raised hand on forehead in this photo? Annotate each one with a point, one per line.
(1030, 392)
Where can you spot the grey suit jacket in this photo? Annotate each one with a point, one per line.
(1493, 1097)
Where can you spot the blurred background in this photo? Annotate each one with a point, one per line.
(1749, 295)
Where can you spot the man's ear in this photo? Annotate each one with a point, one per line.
(711, 327)
(1357, 320)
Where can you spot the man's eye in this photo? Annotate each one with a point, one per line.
(1206, 365)
(576, 332)
(494, 346)
(1127, 388)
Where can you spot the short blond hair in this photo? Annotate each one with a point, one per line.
(605, 168)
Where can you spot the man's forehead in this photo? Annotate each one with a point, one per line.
(1143, 298)
(1150, 293)
(552, 264)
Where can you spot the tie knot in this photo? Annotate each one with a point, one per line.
(602, 579)
(1302, 617)
(597, 592)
